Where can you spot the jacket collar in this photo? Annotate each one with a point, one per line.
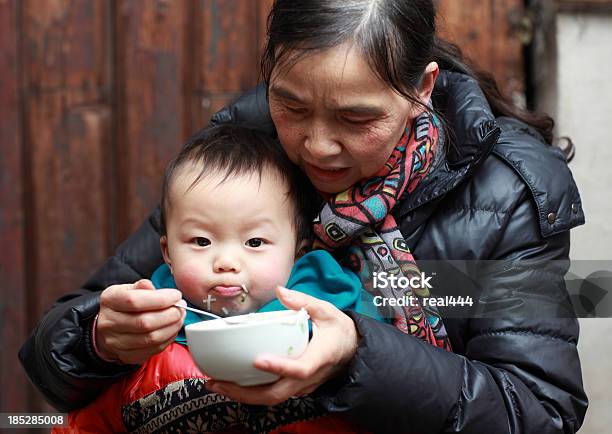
(471, 134)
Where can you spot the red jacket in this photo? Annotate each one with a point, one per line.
(169, 391)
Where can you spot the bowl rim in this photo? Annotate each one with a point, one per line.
(221, 324)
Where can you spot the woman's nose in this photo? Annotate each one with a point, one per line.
(320, 144)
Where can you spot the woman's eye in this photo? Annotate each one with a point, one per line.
(354, 121)
(201, 241)
(255, 242)
(296, 110)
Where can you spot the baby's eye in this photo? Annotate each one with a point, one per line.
(201, 241)
(255, 242)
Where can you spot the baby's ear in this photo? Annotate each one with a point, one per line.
(163, 243)
(303, 247)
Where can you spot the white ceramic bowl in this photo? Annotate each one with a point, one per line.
(225, 348)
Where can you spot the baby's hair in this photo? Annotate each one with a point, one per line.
(232, 150)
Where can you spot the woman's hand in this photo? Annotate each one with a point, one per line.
(333, 345)
(136, 321)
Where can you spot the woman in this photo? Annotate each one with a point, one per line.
(346, 80)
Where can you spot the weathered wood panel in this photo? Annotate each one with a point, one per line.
(152, 100)
(226, 54)
(264, 7)
(66, 142)
(65, 45)
(484, 31)
(506, 51)
(13, 324)
(70, 215)
(229, 45)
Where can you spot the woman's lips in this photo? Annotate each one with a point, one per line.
(226, 291)
(326, 174)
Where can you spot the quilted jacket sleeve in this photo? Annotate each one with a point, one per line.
(519, 373)
(58, 356)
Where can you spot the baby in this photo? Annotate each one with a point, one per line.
(235, 215)
(236, 223)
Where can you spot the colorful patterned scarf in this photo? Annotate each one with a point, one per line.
(360, 219)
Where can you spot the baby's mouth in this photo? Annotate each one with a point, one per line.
(230, 298)
(226, 291)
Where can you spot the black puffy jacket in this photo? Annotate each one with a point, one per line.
(500, 194)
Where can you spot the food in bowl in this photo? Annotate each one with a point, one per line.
(226, 348)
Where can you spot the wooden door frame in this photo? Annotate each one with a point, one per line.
(589, 6)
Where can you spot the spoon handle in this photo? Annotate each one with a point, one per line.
(201, 312)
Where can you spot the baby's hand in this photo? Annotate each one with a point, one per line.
(136, 321)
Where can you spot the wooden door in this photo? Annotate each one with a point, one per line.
(490, 34)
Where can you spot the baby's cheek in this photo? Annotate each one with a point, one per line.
(269, 274)
(190, 281)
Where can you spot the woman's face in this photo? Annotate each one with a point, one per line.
(335, 118)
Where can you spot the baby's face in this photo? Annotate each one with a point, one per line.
(222, 235)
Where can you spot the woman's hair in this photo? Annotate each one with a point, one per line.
(230, 150)
(397, 38)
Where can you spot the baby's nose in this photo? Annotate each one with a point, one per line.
(226, 264)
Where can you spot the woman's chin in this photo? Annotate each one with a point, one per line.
(329, 189)
(329, 181)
